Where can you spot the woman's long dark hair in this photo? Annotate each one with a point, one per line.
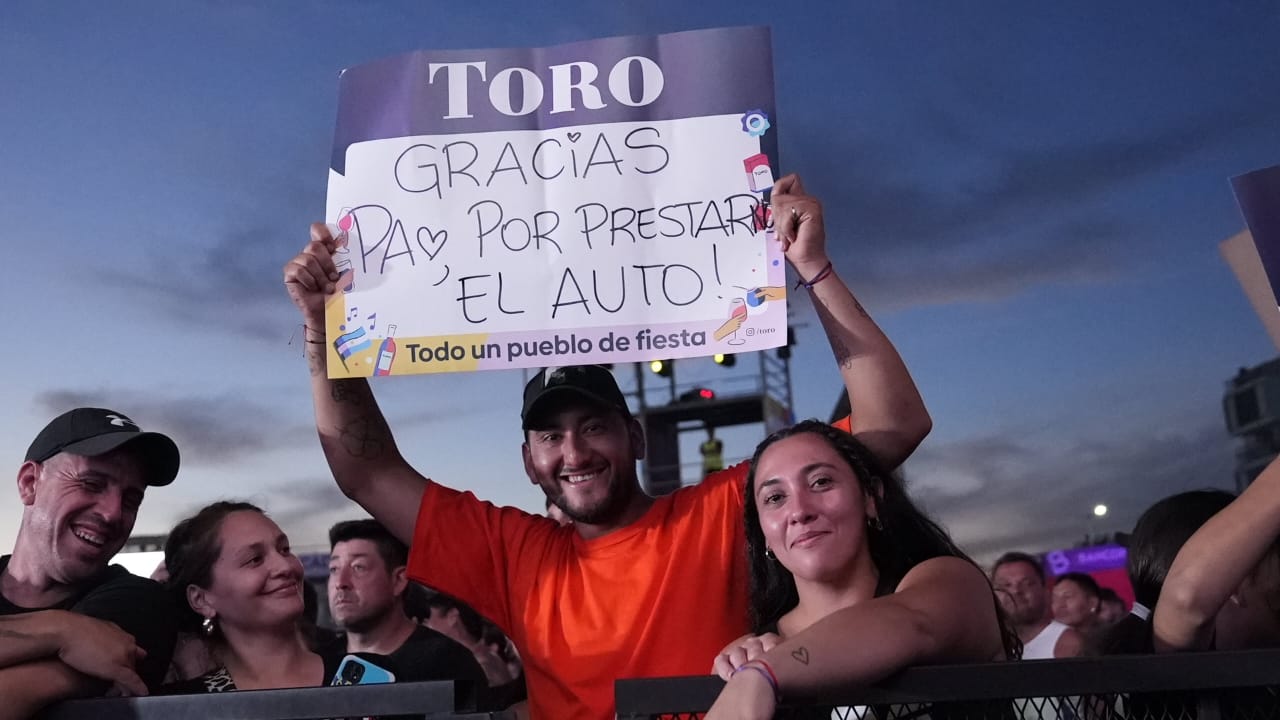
(904, 537)
(191, 551)
(1160, 533)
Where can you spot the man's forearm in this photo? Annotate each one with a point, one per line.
(30, 687)
(353, 433)
(28, 636)
(358, 445)
(889, 416)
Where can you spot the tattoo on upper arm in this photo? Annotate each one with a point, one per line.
(364, 438)
(801, 655)
(844, 357)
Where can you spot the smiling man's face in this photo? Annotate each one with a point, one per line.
(80, 511)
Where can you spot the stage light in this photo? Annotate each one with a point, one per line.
(661, 368)
(724, 359)
(698, 393)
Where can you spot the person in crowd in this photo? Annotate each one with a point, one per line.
(1223, 589)
(367, 586)
(1159, 534)
(578, 600)
(464, 625)
(71, 624)
(841, 558)
(501, 646)
(235, 579)
(1111, 607)
(1076, 600)
(1019, 582)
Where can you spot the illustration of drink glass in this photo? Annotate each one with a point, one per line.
(341, 234)
(737, 311)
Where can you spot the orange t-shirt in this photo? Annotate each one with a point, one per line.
(659, 597)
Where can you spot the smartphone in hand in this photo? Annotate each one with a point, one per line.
(355, 670)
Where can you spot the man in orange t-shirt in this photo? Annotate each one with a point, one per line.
(636, 586)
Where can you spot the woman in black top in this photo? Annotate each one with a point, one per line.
(857, 581)
(235, 580)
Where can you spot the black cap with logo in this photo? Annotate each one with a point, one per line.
(591, 381)
(96, 431)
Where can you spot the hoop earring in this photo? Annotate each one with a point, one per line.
(769, 554)
(207, 627)
(873, 523)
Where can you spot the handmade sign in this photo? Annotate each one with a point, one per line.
(601, 201)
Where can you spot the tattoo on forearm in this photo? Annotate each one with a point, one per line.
(364, 438)
(315, 362)
(844, 357)
(801, 655)
(347, 392)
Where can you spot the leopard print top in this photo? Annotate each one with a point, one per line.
(218, 681)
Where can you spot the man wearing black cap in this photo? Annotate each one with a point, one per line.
(636, 586)
(70, 625)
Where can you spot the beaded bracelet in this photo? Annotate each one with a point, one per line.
(822, 275)
(766, 672)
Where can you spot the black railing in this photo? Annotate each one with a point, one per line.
(421, 699)
(1194, 686)
(1203, 686)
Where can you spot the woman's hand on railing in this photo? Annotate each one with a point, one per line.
(742, 651)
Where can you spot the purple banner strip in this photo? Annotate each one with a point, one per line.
(1258, 194)
(401, 97)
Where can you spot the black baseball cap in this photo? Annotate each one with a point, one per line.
(95, 431)
(593, 382)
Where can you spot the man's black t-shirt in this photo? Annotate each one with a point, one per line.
(138, 605)
(430, 655)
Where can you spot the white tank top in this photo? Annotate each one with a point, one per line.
(1041, 646)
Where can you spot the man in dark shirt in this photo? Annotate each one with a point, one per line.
(70, 625)
(367, 585)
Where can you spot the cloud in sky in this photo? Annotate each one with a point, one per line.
(208, 430)
(991, 214)
(997, 494)
(307, 507)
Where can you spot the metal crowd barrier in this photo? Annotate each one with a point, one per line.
(1190, 686)
(431, 700)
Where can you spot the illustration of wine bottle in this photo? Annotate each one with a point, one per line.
(386, 352)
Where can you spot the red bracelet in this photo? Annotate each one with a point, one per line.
(822, 275)
(763, 668)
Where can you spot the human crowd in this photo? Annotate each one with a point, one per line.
(805, 568)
